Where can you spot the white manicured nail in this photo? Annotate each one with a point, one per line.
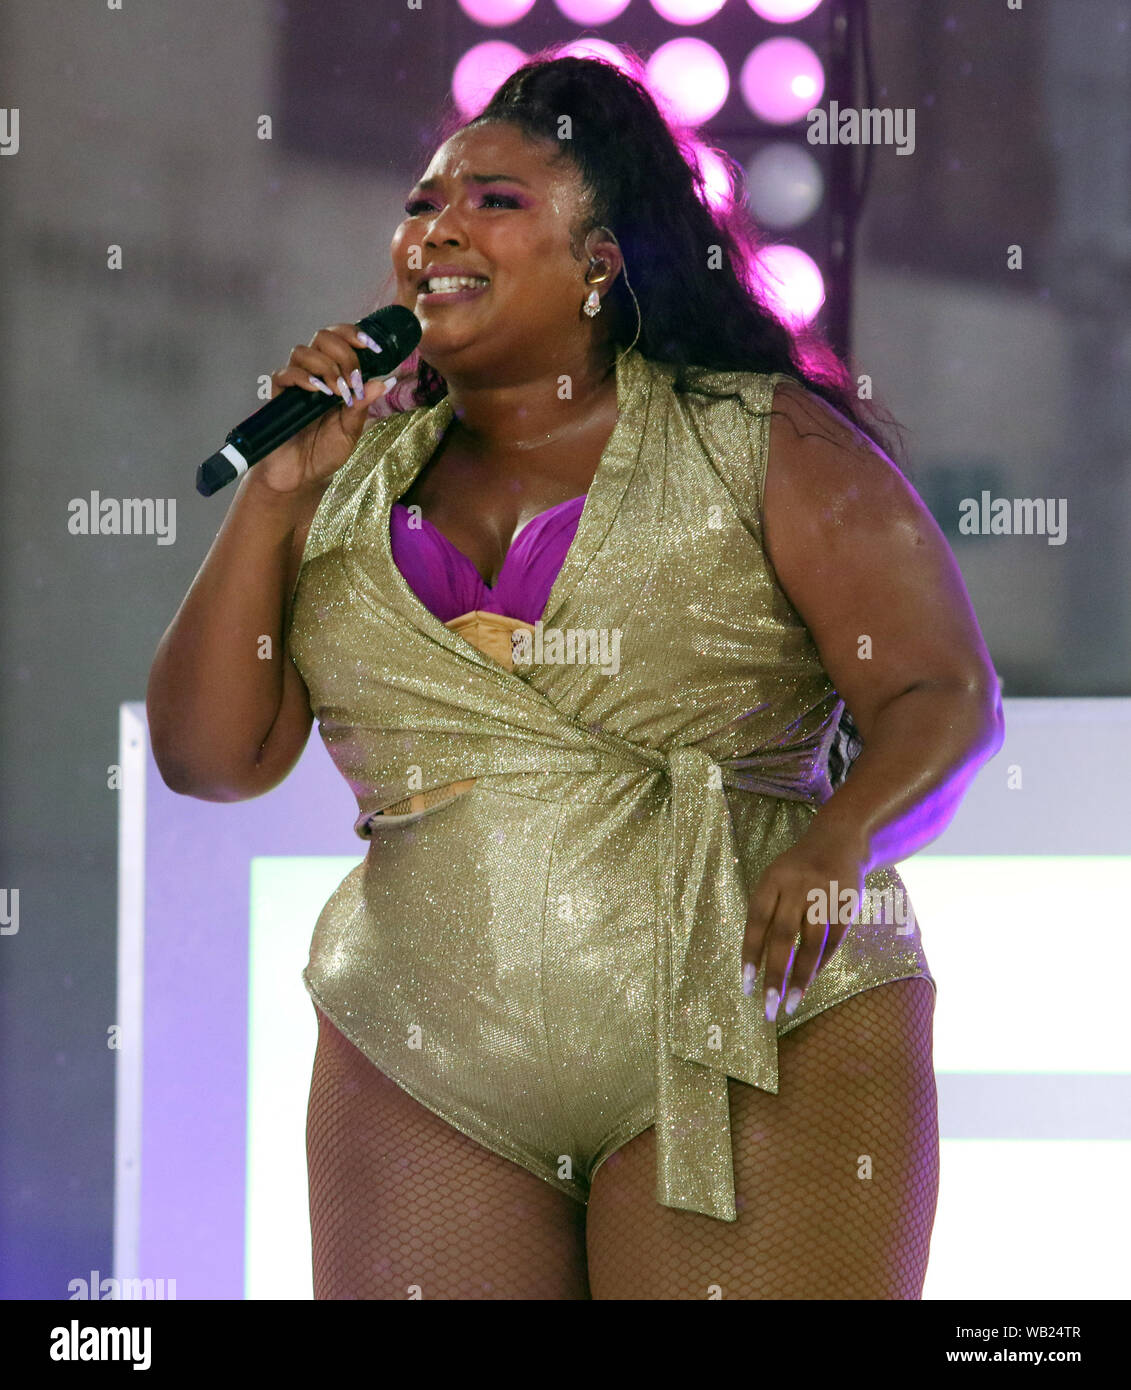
(749, 976)
(773, 999)
(344, 391)
(792, 999)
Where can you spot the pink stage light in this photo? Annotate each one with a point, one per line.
(791, 282)
(496, 12)
(781, 80)
(691, 78)
(687, 11)
(480, 71)
(592, 11)
(597, 48)
(783, 11)
(718, 181)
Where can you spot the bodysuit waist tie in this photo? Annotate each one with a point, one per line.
(707, 1029)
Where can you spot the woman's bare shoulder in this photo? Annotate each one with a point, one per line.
(800, 414)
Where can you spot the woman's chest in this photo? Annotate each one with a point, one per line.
(482, 507)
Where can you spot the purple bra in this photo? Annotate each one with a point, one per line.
(448, 584)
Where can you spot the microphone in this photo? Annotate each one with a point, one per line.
(396, 329)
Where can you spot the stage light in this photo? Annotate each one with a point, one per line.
(791, 282)
(784, 185)
(781, 80)
(687, 11)
(598, 48)
(480, 71)
(783, 11)
(691, 78)
(592, 11)
(496, 12)
(718, 181)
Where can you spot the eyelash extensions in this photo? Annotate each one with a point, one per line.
(415, 203)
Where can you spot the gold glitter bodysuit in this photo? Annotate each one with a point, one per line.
(545, 947)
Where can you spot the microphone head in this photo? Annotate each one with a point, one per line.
(396, 328)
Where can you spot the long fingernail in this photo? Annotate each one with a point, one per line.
(792, 999)
(357, 383)
(321, 385)
(389, 383)
(344, 391)
(749, 975)
(369, 343)
(773, 999)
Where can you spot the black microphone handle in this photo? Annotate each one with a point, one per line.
(294, 407)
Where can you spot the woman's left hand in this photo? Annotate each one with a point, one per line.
(801, 891)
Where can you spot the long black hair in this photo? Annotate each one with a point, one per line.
(692, 267)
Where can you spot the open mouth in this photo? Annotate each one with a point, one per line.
(450, 289)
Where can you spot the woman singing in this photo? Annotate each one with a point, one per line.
(626, 1000)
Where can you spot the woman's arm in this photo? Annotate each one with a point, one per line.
(229, 714)
(870, 574)
(226, 722)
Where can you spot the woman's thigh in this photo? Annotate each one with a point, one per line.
(403, 1205)
(836, 1176)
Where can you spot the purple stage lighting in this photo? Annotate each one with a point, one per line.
(589, 47)
(782, 80)
(687, 11)
(592, 11)
(783, 11)
(791, 282)
(718, 183)
(480, 71)
(690, 77)
(496, 12)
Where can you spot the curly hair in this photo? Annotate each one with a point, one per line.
(702, 306)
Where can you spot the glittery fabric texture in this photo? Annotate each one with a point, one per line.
(551, 958)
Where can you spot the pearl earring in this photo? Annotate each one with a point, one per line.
(592, 304)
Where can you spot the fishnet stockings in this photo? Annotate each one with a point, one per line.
(857, 1087)
(403, 1205)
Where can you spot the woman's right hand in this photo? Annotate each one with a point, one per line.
(326, 366)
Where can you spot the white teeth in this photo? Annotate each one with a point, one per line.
(445, 284)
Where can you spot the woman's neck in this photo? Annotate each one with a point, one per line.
(494, 421)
